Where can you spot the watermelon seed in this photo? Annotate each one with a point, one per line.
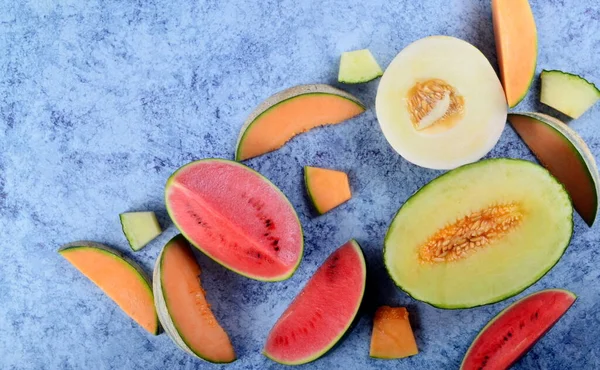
(509, 334)
(266, 234)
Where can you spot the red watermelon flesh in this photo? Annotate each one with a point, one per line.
(516, 329)
(236, 217)
(323, 311)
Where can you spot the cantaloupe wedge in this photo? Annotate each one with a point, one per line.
(516, 45)
(326, 188)
(182, 306)
(119, 278)
(291, 112)
(392, 335)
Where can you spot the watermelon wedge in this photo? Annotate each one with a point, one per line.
(236, 217)
(323, 311)
(513, 332)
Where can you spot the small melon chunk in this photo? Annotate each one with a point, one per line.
(392, 335)
(140, 228)
(479, 234)
(291, 112)
(326, 188)
(119, 278)
(182, 306)
(516, 45)
(440, 103)
(568, 93)
(358, 66)
(564, 153)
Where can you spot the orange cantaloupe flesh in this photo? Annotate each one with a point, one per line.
(277, 125)
(392, 335)
(326, 188)
(516, 46)
(119, 280)
(186, 302)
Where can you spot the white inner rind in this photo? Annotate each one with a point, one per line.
(466, 69)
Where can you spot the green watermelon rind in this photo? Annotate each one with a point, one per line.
(348, 327)
(199, 247)
(500, 298)
(513, 305)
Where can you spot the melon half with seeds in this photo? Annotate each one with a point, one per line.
(440, 103)
(479, 234)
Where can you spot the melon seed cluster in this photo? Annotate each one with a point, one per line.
(423, 97)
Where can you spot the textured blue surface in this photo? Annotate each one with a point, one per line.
(100, 101)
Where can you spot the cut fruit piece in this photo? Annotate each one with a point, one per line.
(565, 155)
(440, 103)
(236, 217)
(492, 229)
(326, 188)
(358, 66)
(513, 332)
(290, 112)
(323, 311)
(182, 306)
(140, 228)
(119, 278)
(516, 46)
(568, 93)
(392, 335)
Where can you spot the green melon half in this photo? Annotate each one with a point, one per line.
(514, 216)
(564, 153)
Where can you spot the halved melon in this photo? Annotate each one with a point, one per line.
(326, 188)
(564, 153)
(121, 279)
(479, 234)
(440, 103)
(568, 93)
(236, 217)
(323, 311)
(509, 335)
(291, 112)
(516, 45)
(182, 306)
(392, 335)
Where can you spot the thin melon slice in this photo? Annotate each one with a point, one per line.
(326, 188)
(140, 228)
(236, 217)
(291, 112)
(182, 307)
(479, 234)
(392, 335)
(568, 93)
(358, 66)
(509, 335)
(440, 103)
(516, 45)
(564, 153)
(119, 278)
(323, 311)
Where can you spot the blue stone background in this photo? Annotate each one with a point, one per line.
(101, 100)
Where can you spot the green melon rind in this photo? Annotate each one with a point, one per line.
(499, 315)
(130, 240)
(144, 277)
(310, 196)
(250, 276)
(281, 97)
(375, 71)
(163, 311)
(571, 76)
(348, 326)
(581, 150)
(508, 295)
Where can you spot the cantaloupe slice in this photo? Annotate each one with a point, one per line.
(516, 45)
(392, 335)
(291, 112)
(182, 306)
(326, 188)
(119, 278)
